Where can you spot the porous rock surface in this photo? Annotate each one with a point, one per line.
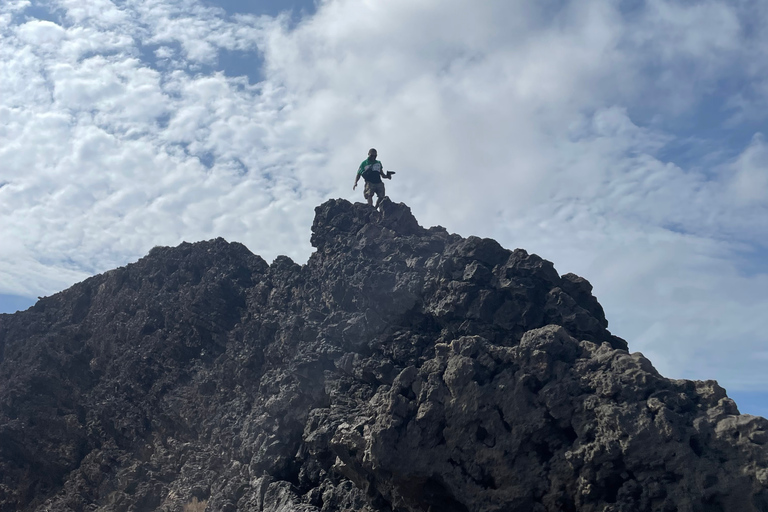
(400, 369)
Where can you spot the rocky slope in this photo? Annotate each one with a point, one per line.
(400, 369)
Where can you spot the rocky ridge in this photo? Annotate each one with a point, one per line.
(400, 369)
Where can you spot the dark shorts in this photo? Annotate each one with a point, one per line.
(373, 188)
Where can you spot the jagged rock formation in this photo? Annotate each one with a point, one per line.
(400, 369)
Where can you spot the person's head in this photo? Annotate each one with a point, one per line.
(372, 154)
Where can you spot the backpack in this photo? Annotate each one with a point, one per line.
(371, 172)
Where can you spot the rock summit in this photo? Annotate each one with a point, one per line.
(399, 369)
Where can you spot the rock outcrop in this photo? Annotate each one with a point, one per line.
(400, 369)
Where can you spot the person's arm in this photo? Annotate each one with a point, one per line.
(381, 170)
(357, 178)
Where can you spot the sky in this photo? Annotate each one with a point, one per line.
(624, 140)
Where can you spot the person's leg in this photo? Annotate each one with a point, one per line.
(368, 194)
(379, 193)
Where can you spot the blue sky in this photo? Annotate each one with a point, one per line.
(297, 8)
(622, 140)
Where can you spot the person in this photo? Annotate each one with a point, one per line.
(372, 171)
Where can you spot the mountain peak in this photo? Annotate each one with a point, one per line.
(399, 369)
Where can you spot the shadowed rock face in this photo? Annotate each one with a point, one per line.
(400, 369)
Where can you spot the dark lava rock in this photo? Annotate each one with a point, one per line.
(400, 369)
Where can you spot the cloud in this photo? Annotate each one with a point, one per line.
(750, 174)
(548, 126)
(23, 273)
(44, 35)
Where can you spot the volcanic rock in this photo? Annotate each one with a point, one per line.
(399, 369)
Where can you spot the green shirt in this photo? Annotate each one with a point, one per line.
(370, 171)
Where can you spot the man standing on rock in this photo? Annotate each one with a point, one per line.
(372, 172)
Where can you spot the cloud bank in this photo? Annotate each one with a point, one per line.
(623, 141)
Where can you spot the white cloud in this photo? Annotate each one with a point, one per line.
(23, 273)
(103, 14)
(701, 31)
(750, 174)
(544, 127)
(44, 35)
